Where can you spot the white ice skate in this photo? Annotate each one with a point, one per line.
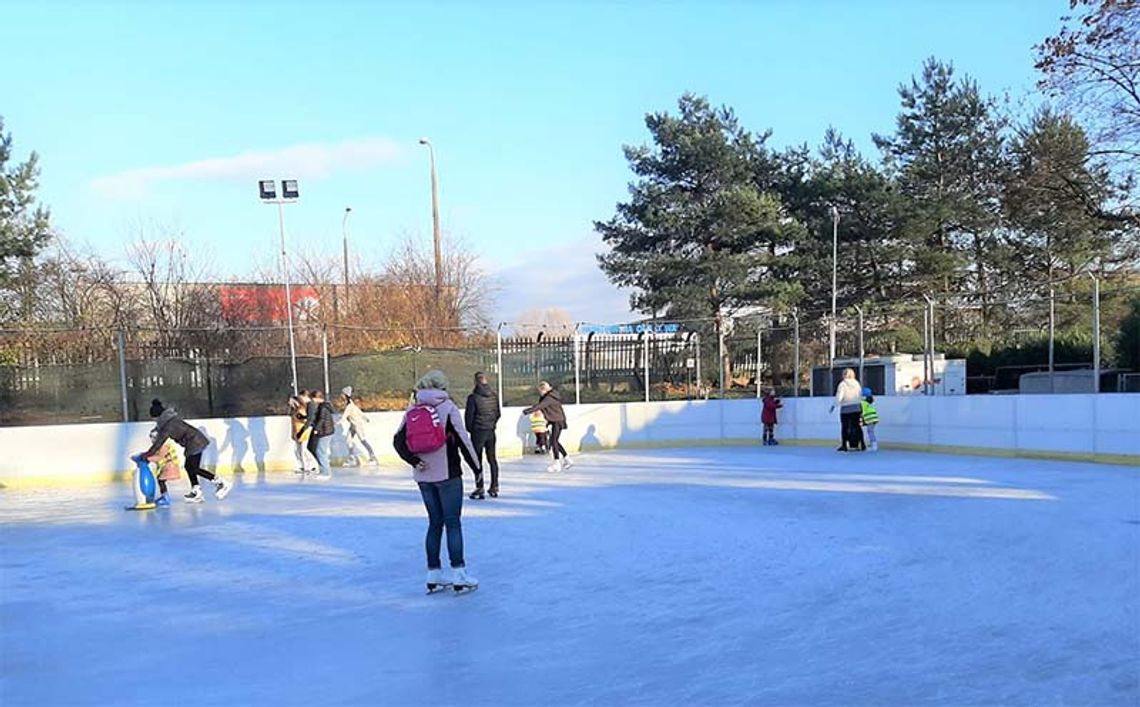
(221, 488)
(566, 463)
(556, 466)
(195, 495)
(436, 582)
(874, 446)
(461, 582)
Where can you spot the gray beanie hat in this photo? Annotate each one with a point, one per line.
(432, 379)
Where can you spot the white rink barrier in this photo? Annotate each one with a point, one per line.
(1102, 427)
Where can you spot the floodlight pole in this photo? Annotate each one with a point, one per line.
(288, 292)
(435, 225)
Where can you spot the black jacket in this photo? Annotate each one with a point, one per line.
(171, 426)
(483, 411)
(551, 406)
(320, 418)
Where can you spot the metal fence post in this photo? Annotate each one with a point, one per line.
(759, 343)
(1052, 334)
(1096, 333)
(796, 357)
(121, 342)
(325, 358)
(928, 346)
(861, 350)
(646, 362)
(499, 358)
(577, 366)
(697, 339)
(720, 355)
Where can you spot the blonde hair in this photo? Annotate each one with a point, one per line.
(544, 387)
(432, 380)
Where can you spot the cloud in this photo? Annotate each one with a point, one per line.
(306, 161)
(564, 276)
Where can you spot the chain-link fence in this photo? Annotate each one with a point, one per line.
(915, 347)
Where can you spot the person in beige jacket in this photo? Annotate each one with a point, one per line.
(849, 400)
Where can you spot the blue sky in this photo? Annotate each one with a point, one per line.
(169, 112)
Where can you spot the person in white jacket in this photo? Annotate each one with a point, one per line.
(849, 400)
(355, 418)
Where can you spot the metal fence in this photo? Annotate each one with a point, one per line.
(68, 376)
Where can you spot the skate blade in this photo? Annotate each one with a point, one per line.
(437, 588)
(466, 589)
(141, 507)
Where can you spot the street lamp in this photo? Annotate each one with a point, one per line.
(344, 236)
(435, 223)
(834, 276)
(289, 193)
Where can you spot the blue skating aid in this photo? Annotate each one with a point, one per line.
(143, 485)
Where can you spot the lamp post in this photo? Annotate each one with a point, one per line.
(435, 223)
(344, 237)
(289, 194)
(834, 277)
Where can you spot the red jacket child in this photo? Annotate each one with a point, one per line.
(771, 405)
(768, 417)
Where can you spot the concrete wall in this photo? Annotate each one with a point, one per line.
(1105, 427)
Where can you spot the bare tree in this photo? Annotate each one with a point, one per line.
(176, 288)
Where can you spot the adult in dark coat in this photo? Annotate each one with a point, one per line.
(169, 425)
(551, 406)
(481, 417)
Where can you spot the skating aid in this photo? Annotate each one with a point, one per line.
(143, 485)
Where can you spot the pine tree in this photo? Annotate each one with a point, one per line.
(24, 225)
(947, 158)
(699, 236)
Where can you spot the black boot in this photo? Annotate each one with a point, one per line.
(477, 495)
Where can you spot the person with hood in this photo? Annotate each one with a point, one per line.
(298, 409)
(355, 418)
(768, 416)
(319, 421)
(849, 399)
(169, 426)
(432, 439)
(550, 404)
(482, 416)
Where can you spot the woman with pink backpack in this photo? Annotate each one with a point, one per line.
(431, 439)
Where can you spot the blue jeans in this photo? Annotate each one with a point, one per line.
(444, 503)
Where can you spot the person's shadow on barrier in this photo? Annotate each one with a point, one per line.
(259, 440)
(590, 440)
(237, 439)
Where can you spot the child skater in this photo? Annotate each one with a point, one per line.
(870, 419)
(538, 428)
(768, 416)
(166, 459)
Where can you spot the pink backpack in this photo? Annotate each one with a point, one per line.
(425, 431)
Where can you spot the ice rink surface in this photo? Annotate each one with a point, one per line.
(785, 576)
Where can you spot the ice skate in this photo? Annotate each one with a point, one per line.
(373, 462)
(566, 463)
(221, 488)
(774, 443)
(477, 495)
(556, 466)
(162, 501)
(436, 582)
(461, 582)
(195, 495)
(874, 446)
(493, 493)
(320, 476)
